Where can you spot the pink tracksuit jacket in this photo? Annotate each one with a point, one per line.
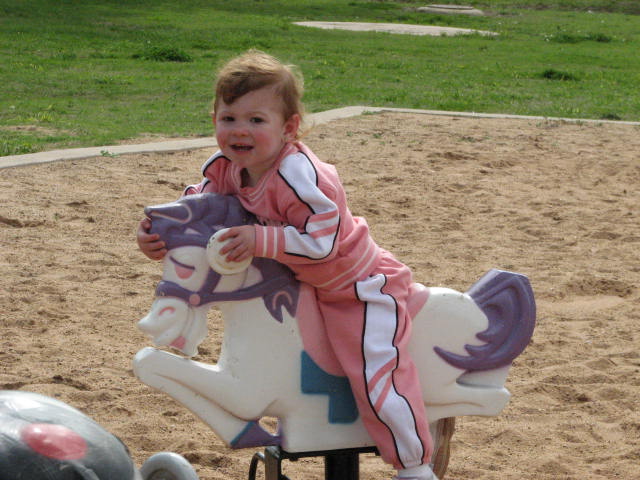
(305, 223)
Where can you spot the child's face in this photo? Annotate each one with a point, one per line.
(252, 130)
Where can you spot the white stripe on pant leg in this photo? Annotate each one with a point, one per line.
(378, 349)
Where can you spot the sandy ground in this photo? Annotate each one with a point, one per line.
(452, 197)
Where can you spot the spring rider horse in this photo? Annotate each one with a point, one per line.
(275, 358)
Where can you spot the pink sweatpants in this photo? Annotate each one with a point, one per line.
(369, 329)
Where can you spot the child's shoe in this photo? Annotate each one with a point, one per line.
(432, 477)
(421, 472)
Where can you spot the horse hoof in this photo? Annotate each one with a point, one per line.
(253, 435)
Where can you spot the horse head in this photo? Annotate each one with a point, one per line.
(189, 285)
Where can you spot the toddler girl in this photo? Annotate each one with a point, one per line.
(304, 222)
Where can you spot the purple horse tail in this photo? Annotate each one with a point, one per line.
(507, 300)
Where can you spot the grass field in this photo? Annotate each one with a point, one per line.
(78, 73)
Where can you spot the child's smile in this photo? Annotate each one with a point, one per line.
(241, 148)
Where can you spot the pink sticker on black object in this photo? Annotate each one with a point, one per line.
(54, 441)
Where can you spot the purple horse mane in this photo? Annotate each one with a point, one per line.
(192, 219)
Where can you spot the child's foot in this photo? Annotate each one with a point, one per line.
(421, 472)
(445, 427)
(432, 477)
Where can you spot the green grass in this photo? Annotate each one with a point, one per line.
(78, 73)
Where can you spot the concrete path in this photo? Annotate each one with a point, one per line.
(451, 10)
(210, 142)
(401, 28)
(107, 150)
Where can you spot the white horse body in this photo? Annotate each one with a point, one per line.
(263, 364)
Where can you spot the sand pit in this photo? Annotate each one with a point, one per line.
(452, 197)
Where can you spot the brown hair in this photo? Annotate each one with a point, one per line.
(254, 70)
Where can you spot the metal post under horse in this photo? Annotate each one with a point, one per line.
(344, 464)
(341, 464)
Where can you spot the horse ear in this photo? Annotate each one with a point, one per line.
(149, 211)
(175, 211)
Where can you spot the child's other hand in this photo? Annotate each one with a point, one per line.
(150, 243)
(241, 246)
